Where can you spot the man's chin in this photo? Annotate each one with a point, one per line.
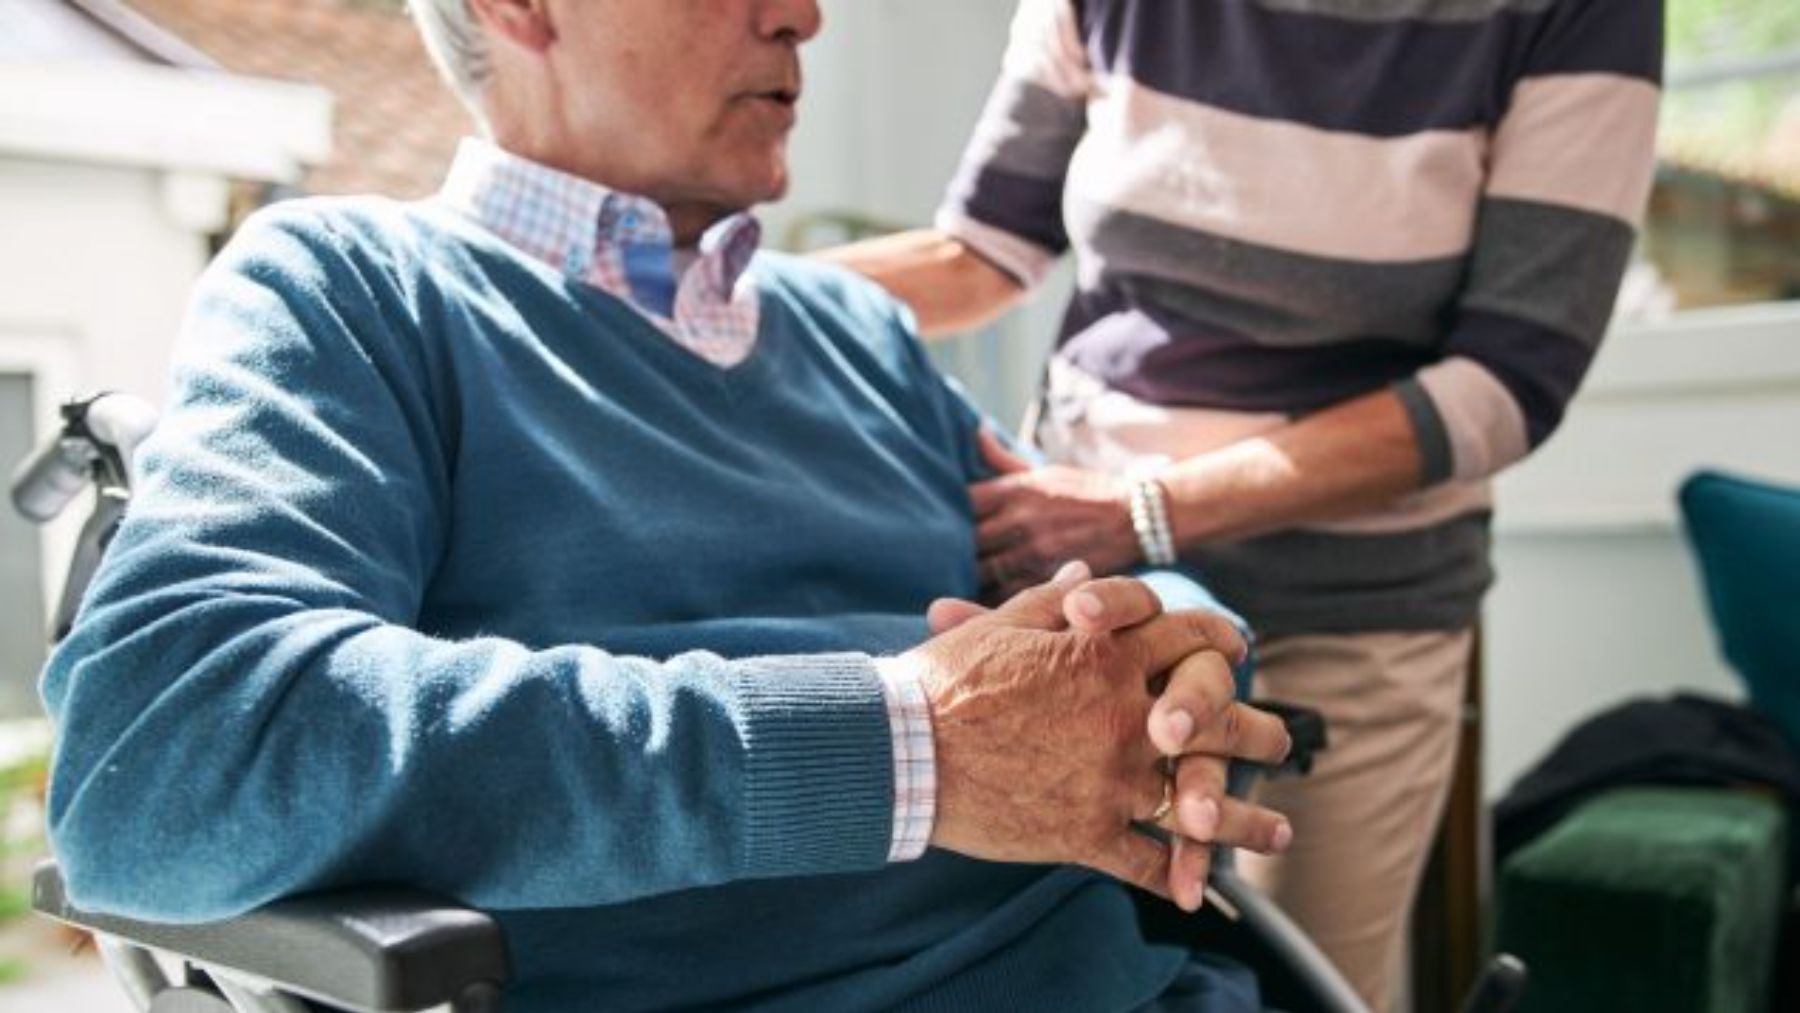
(763, 188)
(777, 189)
(731, 186)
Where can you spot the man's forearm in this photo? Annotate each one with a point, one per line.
(321, 747)
(1334, 463)
(948, 286)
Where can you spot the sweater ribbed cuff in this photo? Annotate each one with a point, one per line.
(819, 779)
(1436, 459)
(1020, 259)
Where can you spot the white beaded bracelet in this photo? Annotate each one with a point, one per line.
(1150, 519)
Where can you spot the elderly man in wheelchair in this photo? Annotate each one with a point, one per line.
(547, 547)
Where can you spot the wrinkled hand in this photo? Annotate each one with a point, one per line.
(1049, 732)
(1031, 520)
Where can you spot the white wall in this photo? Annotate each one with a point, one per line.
(112, 175)
(95, 261)
(1598, 600)
(893, 88)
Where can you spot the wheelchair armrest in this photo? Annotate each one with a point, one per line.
(1307, 730)
(378, 949)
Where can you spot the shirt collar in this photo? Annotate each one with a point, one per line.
(579, 227)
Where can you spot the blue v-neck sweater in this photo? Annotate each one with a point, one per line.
(447, 570)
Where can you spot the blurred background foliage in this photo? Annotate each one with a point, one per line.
(1734, 118)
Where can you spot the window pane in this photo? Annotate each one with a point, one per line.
(1724, 222)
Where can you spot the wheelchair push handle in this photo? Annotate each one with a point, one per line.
(98, 438)
(50, 478)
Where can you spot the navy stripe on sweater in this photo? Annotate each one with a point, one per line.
(1345, 75)
(1539, 367)
(1162, 357)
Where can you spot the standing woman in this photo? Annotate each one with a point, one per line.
(1339, 262)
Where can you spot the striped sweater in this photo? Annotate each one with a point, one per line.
(1278, 205)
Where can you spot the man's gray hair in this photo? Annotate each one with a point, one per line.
(456, 43)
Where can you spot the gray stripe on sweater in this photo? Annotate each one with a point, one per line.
(1555, 266)
(1035, 131)
(1313, 582)
(1439, 11)
(1273, 297)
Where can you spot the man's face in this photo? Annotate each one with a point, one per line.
(683, 101)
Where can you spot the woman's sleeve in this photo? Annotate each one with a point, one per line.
(1569, 174)
(1005, 202)
(246, 710)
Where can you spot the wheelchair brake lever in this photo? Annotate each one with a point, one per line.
(1306, 729)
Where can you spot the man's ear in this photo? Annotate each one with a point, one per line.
(524, 22)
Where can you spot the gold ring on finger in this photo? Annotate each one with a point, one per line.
(1167, 805)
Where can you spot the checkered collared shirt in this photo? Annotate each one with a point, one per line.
(706, 301)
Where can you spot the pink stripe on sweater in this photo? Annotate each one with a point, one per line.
(1279, 184)
(1586, 141)
(1046, 48)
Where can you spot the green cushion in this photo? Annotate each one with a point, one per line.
(1650, 899)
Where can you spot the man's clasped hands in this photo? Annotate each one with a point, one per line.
(1078, 712)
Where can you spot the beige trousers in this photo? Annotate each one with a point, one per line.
(1364, 819)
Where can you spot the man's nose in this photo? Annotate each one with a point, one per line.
(793, 21)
